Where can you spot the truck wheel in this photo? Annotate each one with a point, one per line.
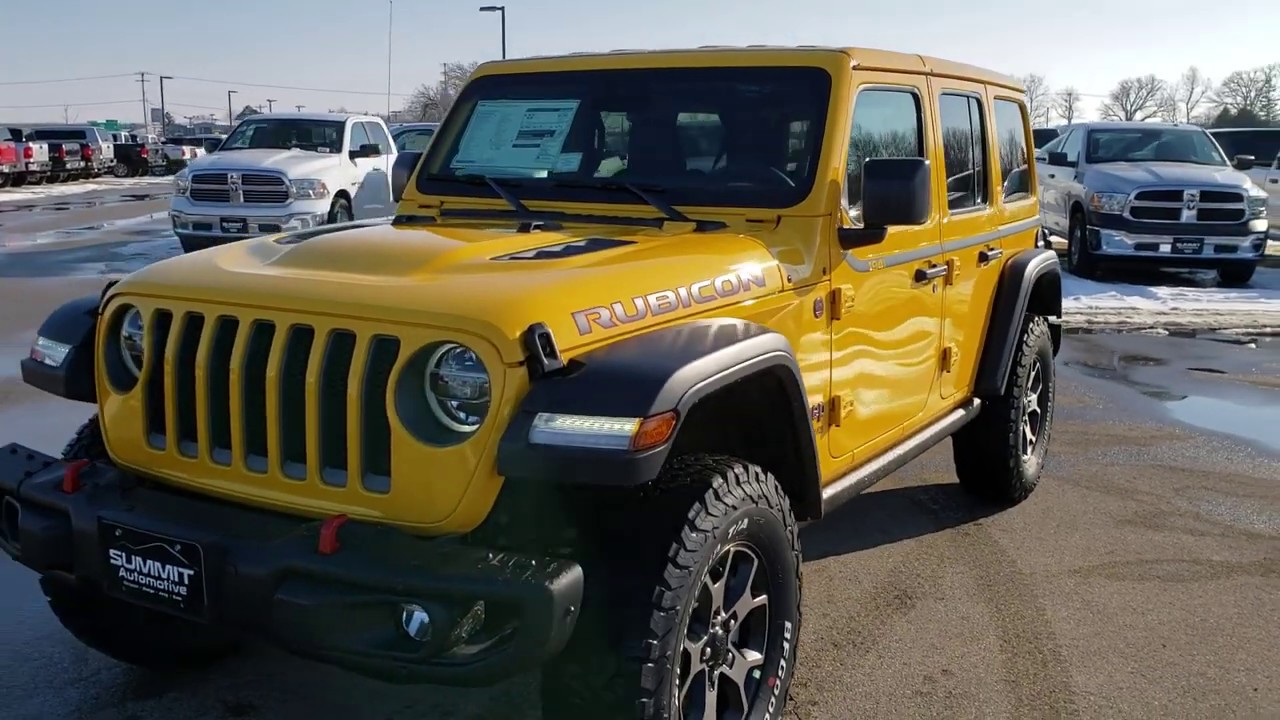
(340, 211)
(999, 456)
(42, 179)
(702, 621)
(121, 170)
(125, 632)
(1080, 261)
(20, 179)
(5, 180)
(1236, 274)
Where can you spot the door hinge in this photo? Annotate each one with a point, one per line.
(841, 301)
(950, 357)
(953, 270)
(841, 407)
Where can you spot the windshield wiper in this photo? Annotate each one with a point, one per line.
(503, 193)
(645, 193)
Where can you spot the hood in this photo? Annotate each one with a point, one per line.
(585, 284)
(295, 163)
(1123, 177)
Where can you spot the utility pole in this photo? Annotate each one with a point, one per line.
(66, 115)
(231, 120)
(259, 106)
(164, 115)
(299, 107)
(271, 104)
(391, 9)
(146, 111)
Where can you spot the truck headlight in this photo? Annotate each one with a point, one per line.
(457, 387)
(181, 183)
(49, 352)
(309, 189)
(132, 340)
(1111, 203)
(1257, 203)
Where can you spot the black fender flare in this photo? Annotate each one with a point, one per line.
(75, 323)
(1030, 281)
(670, 368)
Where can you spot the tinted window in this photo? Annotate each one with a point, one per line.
(1153, 145)
(1042, 136)
(964, 150)
(323, 136)
(1071, 146)
(414, 140)
(56, 134)
(1011, 143)
(1263, 145)
(359, 136)
(708, 136)
(886, 124)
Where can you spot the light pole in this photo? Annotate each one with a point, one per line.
(502, 11)
(164, 116)
(299, 107)
(271, 104)
(231, 120)
(391, 10)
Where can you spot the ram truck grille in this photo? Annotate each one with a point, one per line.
(239, 188)
(1173, 205)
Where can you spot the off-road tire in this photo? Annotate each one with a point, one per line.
(125, 632)
(627, 649)
(1237, 274)
(340, 211)
(988, 452)
(1080, 261)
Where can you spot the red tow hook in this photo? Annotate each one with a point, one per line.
(328, 543)
(71, 476)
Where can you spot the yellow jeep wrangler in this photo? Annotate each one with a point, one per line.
(637, 314)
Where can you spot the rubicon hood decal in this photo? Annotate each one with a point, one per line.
(623, 312)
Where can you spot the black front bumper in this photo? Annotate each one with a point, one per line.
(264, 573)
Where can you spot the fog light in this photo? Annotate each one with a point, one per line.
(415, 622)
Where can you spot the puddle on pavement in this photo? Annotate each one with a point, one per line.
(91, 202)
(1259, 423)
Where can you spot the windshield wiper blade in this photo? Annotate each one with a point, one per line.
(645, 193)
(476, 179)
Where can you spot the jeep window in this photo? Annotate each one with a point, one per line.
(415, 140)
(886, 124)
(378, 137)
(704, 136)
(1263, 145)
(1153, 145)
(1011, 142)
(323, 136)
(964, 150)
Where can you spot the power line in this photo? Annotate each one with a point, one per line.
(291, 87)
(65, 80)
(58, 105)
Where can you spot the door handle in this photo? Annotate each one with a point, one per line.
(987, 255)
(933, 272)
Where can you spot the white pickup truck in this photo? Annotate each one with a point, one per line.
(1263, 145)
(284, 171)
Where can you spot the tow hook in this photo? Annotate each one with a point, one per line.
(328, 542)
(71, 476)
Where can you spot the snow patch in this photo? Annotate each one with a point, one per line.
(28, 192)
(1193, 303)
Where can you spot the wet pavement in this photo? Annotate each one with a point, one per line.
(1142, 579)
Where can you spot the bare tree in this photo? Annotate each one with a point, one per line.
(1039, 104)
(1136, 98)
(1190, 92)
(1256, 91)
(430, 103)
(1067, 104)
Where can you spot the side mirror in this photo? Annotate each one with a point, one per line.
(1243, 162)
(1059, 159)
(1042, 157)
(401, 170)
(895, 191)
(367, 150)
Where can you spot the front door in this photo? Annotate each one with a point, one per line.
(886, 321)
(366, 201)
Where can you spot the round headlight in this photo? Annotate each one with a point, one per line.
(457, 387)
(132, 346)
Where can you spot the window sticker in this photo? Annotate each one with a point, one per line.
(516, 135)
(568, 162)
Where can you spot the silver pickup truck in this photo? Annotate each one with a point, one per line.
(32, 156)
(98, 152)
(1153, 194)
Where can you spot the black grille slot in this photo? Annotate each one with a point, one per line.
(265, 197)
(210, 194)
(209, 179)
(1221, 196)
(184, 384)
(153, 395)
(253, 396)
(293, 401)
(375, 427)
(1220, 215)
(1173, 196)
(334, 370)
(219, 389)
(1145, 212)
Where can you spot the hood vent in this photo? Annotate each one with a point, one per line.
(566, 250)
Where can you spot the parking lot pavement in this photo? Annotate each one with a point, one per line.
(1142, 579)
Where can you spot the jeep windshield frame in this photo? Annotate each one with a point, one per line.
(747, 136)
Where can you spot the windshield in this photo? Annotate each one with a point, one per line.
(323, 136)
(1153, 145)
(734, 137)
(414, 140)
(1263, 145)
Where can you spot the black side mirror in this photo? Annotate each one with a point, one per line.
(895, 191)
(1243, 162)
(1059, 159)
(367, 150)
(401, 170)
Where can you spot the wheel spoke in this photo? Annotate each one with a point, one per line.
(710, 708)
(716, 589)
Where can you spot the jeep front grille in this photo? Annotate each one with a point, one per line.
(237, 391)
(238, 188)
(1170, 205)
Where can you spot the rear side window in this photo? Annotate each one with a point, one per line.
(886, 124)
(964, 151)
(1011, 143)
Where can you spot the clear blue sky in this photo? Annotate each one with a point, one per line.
(342, 44)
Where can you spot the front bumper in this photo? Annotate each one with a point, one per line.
(263, 572)
(227, 223)
(1214, 250)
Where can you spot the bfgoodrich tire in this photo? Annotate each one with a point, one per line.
(697, 603)
(128, 633)
(1000, 455)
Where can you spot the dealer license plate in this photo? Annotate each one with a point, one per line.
(1187, 246)
(234, 226)
(156, 570)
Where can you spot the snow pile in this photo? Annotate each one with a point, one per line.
(35, 192)
(1193, 303)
